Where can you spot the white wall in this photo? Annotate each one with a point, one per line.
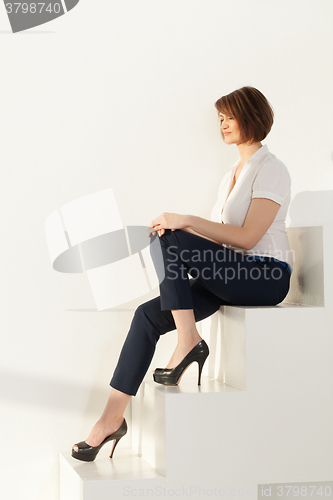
(121, 94)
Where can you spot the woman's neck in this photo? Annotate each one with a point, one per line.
(247, 150)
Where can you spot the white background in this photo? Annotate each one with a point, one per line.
(121, 94)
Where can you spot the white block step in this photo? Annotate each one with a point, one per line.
(149, 413)
(104, 478)
(269, 421)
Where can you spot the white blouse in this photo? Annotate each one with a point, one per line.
(262, 176)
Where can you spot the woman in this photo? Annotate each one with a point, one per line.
(240, 257)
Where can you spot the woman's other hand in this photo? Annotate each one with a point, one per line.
(167, 221)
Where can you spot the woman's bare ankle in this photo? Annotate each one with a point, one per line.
(190, 338)
(184, 346)
(102, 429)
(112, 418)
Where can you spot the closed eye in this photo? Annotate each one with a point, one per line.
(229, 118)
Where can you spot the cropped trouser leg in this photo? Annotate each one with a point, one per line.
(220, 276)
(148, 323)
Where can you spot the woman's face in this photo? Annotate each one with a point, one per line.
(230, 129)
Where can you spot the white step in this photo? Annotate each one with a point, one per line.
(267, 420)
(150, 409)
(271, 418)
(104, 477)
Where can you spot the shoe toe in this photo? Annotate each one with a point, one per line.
(83, 446)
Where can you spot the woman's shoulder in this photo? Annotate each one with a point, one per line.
(272, 165)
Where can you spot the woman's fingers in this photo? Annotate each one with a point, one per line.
(153, 231)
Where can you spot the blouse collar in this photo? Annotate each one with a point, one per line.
(255, 157)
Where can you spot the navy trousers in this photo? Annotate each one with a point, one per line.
(219, 276)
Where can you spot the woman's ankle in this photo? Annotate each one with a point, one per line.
(189, 338)
(110, 421)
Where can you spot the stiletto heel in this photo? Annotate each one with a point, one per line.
(172, 376)
(115, 442)
(200, 366)
(88, 453)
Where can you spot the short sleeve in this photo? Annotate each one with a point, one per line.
(272, 182)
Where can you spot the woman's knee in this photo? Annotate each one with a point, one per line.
(145, 309)
(145, 320)
(153, 319)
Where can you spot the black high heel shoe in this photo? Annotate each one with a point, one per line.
(172, 376)
(88, 453)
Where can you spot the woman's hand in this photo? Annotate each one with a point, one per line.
(167, 221)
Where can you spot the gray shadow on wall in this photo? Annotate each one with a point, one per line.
(310, 212)
(109, 248)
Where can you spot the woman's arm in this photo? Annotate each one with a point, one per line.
(198, 234)
(173, 221)
(259, 218)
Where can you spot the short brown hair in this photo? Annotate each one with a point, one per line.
(252, 111)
